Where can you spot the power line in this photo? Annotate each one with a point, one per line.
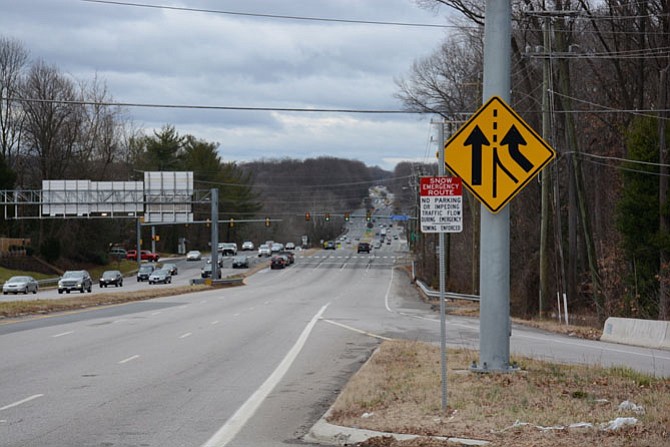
(206, 107)
(272, 16)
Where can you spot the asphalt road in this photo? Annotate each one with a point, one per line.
(246, 366)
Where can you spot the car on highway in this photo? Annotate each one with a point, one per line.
(329, 245)
(289, 246)
(170, 267)
(278, 262)
(264, 250)
(290, 257)
(219, 260)
(206, 271)
(193, 255)
(228, 248)
(75, 280)
(20, 284)
(145, 255)
(160, 276)
(363, 247)
(118, 252)
(144, 272)
(276, 247)
(247, 246)
(111, 278)
(241, 262)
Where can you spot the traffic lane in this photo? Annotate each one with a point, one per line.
(132, 379)
(187, 271)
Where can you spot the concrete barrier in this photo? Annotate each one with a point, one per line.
(629, 331)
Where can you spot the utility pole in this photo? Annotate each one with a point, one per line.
(494, 325)
(546, 134)
(443, 322)
(214, 192)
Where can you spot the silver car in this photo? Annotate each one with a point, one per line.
(20, 284)
(160, 275)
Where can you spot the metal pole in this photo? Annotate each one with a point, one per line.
(443, 323)
(153, 239)
(494, 324)
(215, 233)
(138, 231)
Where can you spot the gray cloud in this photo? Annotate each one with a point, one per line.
(148, 55)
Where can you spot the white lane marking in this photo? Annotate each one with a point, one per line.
(188, 334)
(129, 359)
(214, 322)
(230, 429)
(21, 402)
(388, 292)
(62, 334)
(155, 313)
(236, 315)
(350, 328)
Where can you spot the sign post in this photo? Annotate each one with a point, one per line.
(441, 204)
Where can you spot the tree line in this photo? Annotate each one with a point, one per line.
(596, 224)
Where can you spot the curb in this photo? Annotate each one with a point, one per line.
(325, 433)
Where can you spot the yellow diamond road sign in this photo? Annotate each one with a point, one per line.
(496, 154)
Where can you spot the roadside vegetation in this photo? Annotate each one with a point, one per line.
(543, 405)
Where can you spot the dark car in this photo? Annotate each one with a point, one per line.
(363, 247)
(144, 272)
(289, 256)
(172, 268)
(111, 278)
(206, 271)
(75, 280)
(240, 262)
(278, 262)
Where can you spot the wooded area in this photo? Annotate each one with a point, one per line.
(591, 75)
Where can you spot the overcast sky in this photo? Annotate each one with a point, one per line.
(177, 57)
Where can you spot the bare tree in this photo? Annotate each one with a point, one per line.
(13, 61)
(53, 120)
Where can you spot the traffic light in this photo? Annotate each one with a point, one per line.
(267, 221)
(231, 222)
(346, 217)
(308, 217)
(327, 217)
(368, 216)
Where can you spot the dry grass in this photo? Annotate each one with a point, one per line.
(14, 309)
(399, 391)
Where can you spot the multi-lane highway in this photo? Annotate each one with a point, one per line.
(247, 366)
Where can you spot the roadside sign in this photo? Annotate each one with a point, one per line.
(441, 204)
(496, 154)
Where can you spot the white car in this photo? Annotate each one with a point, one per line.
(247, 245)
(289, 246)
(264, 250)
(193, 255)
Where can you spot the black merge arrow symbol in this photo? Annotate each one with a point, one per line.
(477, 139)
(513, 139)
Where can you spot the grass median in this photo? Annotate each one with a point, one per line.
(544, 404)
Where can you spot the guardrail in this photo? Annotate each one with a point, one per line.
(449, 295)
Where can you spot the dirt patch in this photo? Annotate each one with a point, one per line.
(399, 391)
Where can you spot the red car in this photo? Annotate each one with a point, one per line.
(145, 255)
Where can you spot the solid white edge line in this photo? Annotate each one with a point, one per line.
(129, 359)
(388, 292)
(353, 329)
(233, 425)
(188, 334)
(22, 401)
(62, 334)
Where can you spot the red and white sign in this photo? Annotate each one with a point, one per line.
(441, 204)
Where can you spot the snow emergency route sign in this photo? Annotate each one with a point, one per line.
(441, 204)
(496, 154)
